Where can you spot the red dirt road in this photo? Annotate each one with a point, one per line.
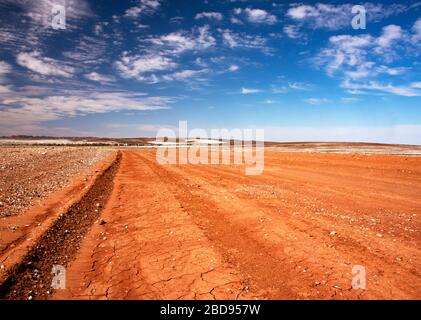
(294, 232)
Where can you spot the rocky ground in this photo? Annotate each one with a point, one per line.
(28, 175)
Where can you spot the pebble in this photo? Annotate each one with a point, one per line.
(33, 173)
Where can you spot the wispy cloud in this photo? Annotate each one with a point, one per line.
(144, 7)
(5, 69)
(181, 41)
(24, 107)
(210, 15)
(94, 76)
(43, 65)
(139, 67)
(185, 75)
(244, 41)
(410, 90)
(250, 90)
(316, 101)
(338, 16)
(292, 32)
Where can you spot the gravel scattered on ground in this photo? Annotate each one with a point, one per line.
(28, 175)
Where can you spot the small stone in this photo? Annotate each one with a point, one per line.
(332, 233)
(30, 298)
(379, 235)
(102, 222)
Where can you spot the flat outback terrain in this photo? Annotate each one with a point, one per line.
(126, 227)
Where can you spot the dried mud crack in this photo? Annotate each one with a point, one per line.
(31, 278)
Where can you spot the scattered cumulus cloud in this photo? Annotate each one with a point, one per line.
(360, 59)
(257, 16)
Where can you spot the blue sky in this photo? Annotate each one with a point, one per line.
(296, 69)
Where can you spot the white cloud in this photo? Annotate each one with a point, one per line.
(391, 71)
(235, 20)
(258, 16)
(22, 107)
(94, 76)
(5, 68)
(292, 32)
(209, 15)
(133, 12)
(358, 60)
(298, 86)
(410, 90)
(5, 89)
(416, 85)
(335, 17)
(137, 66)
(43, 65)
(181, 41)
(390, 34)
(89, 50)
(249, 90)
(40, 11)
(185, 75)
(291, 86)
(416, 28)
(350, 100)
(233, 68)
(144, 7)
(245, 41)
(316, 101)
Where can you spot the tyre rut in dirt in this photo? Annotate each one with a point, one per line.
(32, 277)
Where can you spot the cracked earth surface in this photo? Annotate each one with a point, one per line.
(294, 232)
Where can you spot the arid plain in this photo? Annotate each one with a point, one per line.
(126, 227)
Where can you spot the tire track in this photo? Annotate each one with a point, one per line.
(31, 278)
(150, 248)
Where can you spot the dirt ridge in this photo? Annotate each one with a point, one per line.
(31, 278)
